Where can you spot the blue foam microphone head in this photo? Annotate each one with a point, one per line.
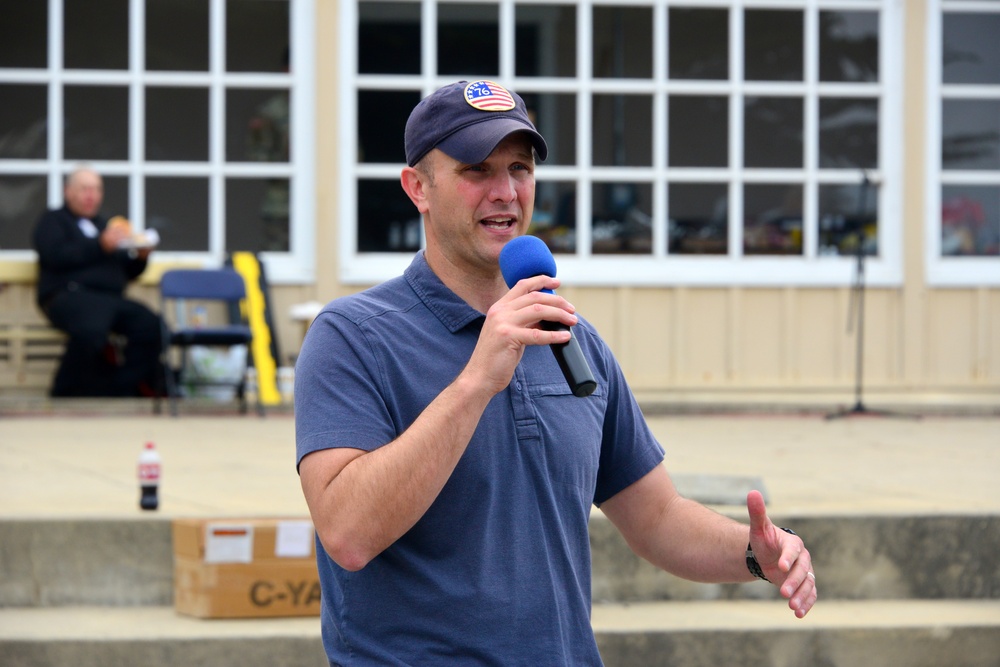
(526, 257)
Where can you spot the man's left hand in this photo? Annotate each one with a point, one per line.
(783, 558)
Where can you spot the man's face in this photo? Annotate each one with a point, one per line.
(84, 193)
(473, 210)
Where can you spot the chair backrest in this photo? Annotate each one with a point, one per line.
(222, 284)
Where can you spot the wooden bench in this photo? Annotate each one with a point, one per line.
(30, 348)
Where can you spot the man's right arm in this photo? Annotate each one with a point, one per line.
(363, 501)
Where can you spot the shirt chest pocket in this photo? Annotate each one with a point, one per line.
(571, 432)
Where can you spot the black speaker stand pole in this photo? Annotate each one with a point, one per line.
(856, 313)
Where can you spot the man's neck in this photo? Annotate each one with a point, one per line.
(478, 289)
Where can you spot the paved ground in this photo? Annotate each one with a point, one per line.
(77, 465)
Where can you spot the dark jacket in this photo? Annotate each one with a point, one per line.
(68, 258)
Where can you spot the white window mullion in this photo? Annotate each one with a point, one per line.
(55, 131)
(302, 239)
(137, 113)
(584, 119)
(348, 162)
(735, 226)
(660, 131)
(217, 124)
(810, 157)
(428, 41)
(507, 49)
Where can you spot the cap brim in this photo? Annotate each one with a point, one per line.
(474, 143)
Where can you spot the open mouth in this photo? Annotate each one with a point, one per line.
(498, 223)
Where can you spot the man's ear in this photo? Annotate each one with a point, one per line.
(414, 185)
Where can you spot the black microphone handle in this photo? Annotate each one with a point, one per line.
(571, 361)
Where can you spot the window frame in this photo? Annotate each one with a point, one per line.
(659, 268)
(957, 271)
(297, 265)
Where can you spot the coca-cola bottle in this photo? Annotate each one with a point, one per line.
(149, 477)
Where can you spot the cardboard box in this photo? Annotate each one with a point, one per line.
(245, 568)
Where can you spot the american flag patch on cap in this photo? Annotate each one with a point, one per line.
(488, 96)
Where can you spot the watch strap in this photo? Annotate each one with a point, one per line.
(752, 563)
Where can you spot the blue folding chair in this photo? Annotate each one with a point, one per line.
(211, 290)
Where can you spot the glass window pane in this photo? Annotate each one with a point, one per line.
(699, 43)
(178, 209)
(468, 39)
(116, 199)
(23, 121)
(554, 114)
(623, 42)
(257, 214)
(623, 221)
(381, 121)
(387, 219)
(774, 45)
(23, 199)
(177, 35)
(772, 219)
(699, 218)
(96, 122)
(554, 219)
(545, 40)
(177, 124)
(24, 34)
(848, 213)
(848, 133)
(622, 127)
(257, 36)
(772, 132)
(970, 220)
(257, 125)
(698, 131)
(971, 51)
(848, 46)
(96, 34)
(388, 38)
(970, 134)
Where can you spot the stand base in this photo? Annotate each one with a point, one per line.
(859, 409)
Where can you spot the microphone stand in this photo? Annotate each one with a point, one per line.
(856, 308)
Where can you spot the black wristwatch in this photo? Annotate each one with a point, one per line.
(752, 563)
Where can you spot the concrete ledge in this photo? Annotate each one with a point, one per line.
(855, 558)
(130, 562)
(691, 634)
(94, 562)
(835, 634)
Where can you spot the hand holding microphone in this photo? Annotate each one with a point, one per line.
(526, 257)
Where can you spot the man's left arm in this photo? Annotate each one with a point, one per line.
(691, 541)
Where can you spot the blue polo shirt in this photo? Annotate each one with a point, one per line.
(497, 572)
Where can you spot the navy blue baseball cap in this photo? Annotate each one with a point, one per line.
(467, 121)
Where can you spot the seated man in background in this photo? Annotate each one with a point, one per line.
(85, 264)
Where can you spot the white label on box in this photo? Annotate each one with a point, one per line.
(228, 543)
(294, 539)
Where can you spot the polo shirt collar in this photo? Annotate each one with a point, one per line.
(454, 313)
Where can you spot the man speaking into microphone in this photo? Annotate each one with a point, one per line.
(448, 464)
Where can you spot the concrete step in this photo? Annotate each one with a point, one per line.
(855, 558)
(129, 562)
(889, 633)
(680, 634)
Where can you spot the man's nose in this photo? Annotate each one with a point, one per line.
(502, 188)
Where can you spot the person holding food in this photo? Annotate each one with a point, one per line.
(85, 264)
